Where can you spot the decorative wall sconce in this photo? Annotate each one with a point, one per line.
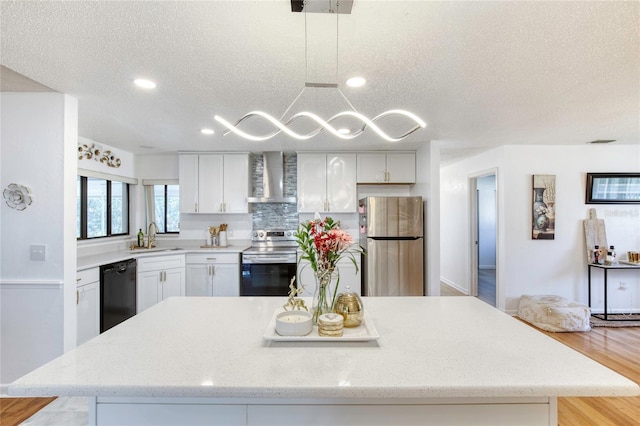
(86, 152)
(17, 196)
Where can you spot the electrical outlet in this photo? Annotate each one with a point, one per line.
(38, 252)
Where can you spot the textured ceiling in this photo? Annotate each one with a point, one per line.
(480, 73)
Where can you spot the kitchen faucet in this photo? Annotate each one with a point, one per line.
(151, 239)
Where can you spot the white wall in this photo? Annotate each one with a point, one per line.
(427, 182)
(38, 147)
(527, 266)
(127, 160)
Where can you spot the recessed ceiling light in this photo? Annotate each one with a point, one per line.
(356, 82)
(144, 84)
(207, 131)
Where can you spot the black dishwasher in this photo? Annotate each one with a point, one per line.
(117, 293)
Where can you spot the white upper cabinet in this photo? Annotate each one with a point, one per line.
(214, 183)
(327, 182)
(188, 175)
(390, 167)
(236, 187)
(210, 177)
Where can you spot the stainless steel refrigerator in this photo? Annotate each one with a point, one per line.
(391, 234)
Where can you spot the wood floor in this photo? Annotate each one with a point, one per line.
(14, 411)
(617, 348)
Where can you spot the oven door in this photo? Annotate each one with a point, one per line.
(267, 274)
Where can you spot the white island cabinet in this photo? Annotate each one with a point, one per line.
(213, 274)
(327, 183)
(437, 361)
(159, 277)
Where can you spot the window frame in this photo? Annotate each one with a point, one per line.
(595, 179)
(166, 207)
(84, 219)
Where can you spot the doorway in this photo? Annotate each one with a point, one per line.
(484, 218)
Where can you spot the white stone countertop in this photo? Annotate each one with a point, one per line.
(428, 347)
(95, 260)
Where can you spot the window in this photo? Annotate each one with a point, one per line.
(613, 188)
(102, 208)
(166, 201)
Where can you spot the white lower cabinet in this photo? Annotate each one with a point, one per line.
(159, 277)
(87, 305)
(213, 274)
(349, 277)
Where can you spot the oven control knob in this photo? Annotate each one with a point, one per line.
(260, 234)
(255, 234)
(288, 233)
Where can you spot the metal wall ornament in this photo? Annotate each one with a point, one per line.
(86, 152)
(17, 196)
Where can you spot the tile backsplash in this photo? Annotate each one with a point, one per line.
(275, 215)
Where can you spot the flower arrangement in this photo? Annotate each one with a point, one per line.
(323, 245)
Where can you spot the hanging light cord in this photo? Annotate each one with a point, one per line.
(283, 127)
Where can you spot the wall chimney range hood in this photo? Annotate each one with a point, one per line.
(272, 180)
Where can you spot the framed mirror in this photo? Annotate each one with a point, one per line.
(613, 188)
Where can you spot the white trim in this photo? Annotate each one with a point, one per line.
(454, 286)
(160, 182)
(30, 284)
(107, 176)
(473, 233)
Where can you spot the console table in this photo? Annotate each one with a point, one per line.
(606, 269)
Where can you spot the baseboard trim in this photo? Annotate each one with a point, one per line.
(454, 286)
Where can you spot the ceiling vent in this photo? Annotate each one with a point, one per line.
(602, 141)
(322, 6)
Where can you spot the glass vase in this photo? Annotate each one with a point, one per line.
(322, 300)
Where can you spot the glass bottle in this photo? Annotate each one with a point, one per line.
(140, 238)
(611, 256)
(596, 255)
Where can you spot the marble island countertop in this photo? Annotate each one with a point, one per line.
(428, 347)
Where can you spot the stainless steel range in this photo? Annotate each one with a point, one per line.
(269, 264)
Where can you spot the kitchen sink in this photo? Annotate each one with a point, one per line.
(154, 249)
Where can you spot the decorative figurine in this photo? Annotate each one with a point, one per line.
(294, 303)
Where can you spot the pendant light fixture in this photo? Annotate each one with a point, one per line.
(284, 126)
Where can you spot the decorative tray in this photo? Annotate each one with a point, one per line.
(365, 332)
(629, 263)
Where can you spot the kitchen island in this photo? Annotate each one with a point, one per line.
(438, 360)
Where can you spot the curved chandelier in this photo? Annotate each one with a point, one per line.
(283, 126)
(323, 125)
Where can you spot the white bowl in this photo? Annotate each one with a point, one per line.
(294, 323)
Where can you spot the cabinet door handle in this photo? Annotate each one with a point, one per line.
(195, 207)
(77, 297)
(78, 280)
(213, 269)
